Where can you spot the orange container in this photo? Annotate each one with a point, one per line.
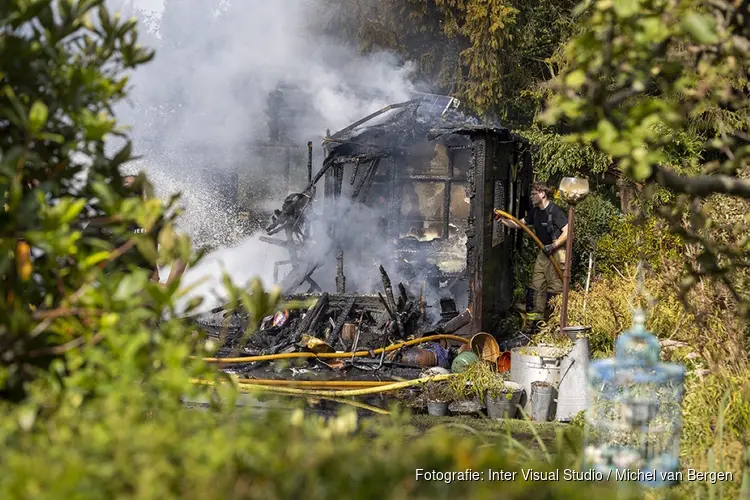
(503, 362)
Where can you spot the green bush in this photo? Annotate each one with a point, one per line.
(629, 242)
(594, 219)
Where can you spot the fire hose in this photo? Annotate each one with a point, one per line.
(290, 355)
(534, 237)
(249, 387)
(314, 384)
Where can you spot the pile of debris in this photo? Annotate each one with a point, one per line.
(344, 323)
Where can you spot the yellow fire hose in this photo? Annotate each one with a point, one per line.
(534, 237)
(246, 387)
(359, 404)
(314, 383)
(290, 355)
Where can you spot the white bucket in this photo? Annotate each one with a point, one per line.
(536, 364)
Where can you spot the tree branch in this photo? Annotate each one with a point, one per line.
(701, 185)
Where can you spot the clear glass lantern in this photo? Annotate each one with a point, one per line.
(634, 411)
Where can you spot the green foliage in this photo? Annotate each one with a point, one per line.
(724, 433)
(476, 380)
(629, 241)
(662, 88)
(492, 54)
(62, 74)
(194, 454)
(97, 361)
(594, 218)
(555, 156)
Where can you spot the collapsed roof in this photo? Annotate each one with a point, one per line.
(422, 117)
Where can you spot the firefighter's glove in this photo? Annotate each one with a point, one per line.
(549, 249)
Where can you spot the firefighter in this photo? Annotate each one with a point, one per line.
(550, 223)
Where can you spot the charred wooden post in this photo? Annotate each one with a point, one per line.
(309, 161)
(458, 322)
(334, 337)
(364, 189)
(340, 277)
(309, 180)
(354, 173)
(422, 305)
(403, 298)
(365, 181)
(320, 314)
(394, 312)
(489, 250)
(388, 289)
(312, 318)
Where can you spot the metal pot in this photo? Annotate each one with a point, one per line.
(535, 364)
(437, 409)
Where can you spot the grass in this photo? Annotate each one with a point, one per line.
(521, 431)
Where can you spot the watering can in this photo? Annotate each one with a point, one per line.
(571, 397)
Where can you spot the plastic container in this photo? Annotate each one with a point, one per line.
(535, 364)
(437, 409)
(463, 361)
(503, 362)
(503, 405)
(542, 396)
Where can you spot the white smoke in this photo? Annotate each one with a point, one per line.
(242, 262)
(203, 100)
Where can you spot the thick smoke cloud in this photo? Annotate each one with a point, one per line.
(203, 102)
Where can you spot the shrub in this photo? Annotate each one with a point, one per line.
(594, 218)
(628, 242)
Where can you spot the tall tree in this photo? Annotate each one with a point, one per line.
(645, 74)
(490, 53)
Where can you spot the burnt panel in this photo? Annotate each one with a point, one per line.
(498, 229)
(492, 273)
(461, 162)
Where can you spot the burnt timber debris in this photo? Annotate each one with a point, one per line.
(433, 176)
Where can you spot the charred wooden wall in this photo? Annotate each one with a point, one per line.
(499, 178)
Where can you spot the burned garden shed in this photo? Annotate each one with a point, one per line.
(427, 177)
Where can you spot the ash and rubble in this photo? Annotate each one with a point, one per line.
(404, 195)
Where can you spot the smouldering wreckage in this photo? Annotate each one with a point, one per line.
(432, 176)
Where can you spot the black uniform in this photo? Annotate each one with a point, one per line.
(547, 223)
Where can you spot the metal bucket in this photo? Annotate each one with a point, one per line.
(542, 398)
(501, 406)
(437, 409)
(535, 364)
